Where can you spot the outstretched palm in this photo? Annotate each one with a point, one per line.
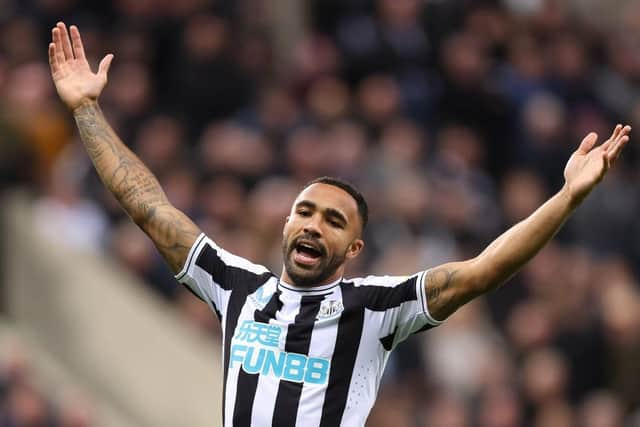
(74, 80)
(588, 165)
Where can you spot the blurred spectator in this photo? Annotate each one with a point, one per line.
(621, 316)
(458, 351)
(205, 82)
(27, 407)
(328, 99)
(224, 148)
(63, 213)
(395, 409)
(601, 409)
(76, 411)
(22, 404)
(160, 143)
(446, 411)
(500, 407)
(29, 108)
(545, 376)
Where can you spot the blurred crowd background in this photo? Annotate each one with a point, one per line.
(454, 117)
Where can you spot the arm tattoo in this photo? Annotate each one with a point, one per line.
(135, 187)
(173, 234)
(437, 282)
(122, 172)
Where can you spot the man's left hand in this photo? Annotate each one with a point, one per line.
(589, 164)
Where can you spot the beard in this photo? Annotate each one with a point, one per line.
(307, 276)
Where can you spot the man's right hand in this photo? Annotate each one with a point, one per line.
(75, 82)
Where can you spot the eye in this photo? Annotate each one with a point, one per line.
(304, 213)
(335, 224)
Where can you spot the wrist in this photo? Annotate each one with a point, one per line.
(85, 103)
(571, 199)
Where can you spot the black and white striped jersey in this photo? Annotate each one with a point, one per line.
(302, 356)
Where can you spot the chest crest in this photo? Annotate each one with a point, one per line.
(330, 308)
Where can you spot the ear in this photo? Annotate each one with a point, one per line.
(354, 249)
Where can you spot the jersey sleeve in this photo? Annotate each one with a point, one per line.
(401, 304)
(212, 273)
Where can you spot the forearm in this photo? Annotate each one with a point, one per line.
(130, 181)
(509, 252)
(135, 187)
(451, 285)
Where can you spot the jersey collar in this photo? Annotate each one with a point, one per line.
(308, 290)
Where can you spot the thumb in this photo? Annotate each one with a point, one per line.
(588, 142)
(103, 68)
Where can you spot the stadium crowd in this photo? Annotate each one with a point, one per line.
(454, 117)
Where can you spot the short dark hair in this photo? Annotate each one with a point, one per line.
(363, 208)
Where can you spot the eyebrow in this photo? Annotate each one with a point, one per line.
(329, 211)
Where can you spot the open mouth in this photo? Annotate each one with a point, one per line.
(307, 253)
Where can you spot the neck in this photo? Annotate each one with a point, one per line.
(285, 278)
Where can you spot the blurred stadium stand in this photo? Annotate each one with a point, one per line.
(455, 117)
(98, 324)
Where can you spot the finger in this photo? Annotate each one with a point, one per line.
(55, 34)
(103, 68)
(616, 131)
(614, 143)
(616, 149)
(64, 40)
(588, 142)
(76, 42)
(626, 130)
(606, 164)
(614, 135)
(53, 61)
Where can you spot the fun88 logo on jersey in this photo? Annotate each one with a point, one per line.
(255, 346)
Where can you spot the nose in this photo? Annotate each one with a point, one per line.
(312, 227)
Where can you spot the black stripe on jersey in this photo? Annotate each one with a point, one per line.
(387, 342)
(344, 356)
(380, 298)
(270, 309)
(210, 261)
(248, 383)
(298, 341)
(243, 282)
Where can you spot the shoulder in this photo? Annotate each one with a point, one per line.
(207, 255)
(231, 260)
(385, 292)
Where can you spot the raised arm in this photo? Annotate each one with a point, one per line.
(451, 285)
(121, 171)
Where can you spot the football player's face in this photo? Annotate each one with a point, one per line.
(322, 232)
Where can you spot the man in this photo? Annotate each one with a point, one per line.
(307, 348)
